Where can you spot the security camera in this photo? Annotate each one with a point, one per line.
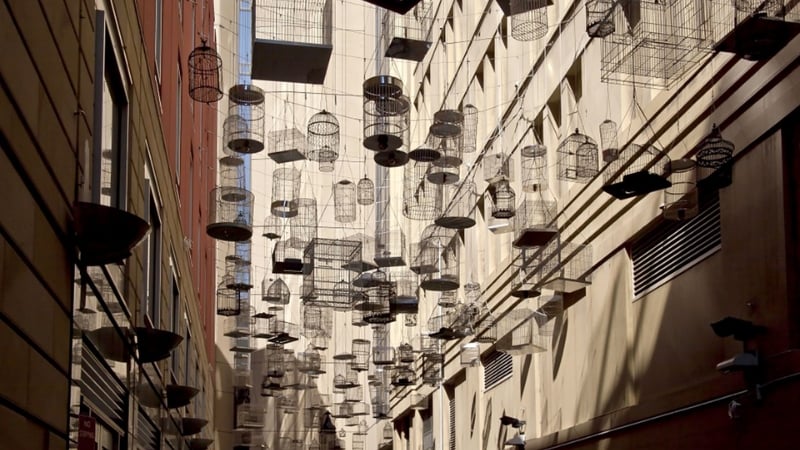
(742, 361)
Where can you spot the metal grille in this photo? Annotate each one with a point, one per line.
(497, 367)
(146, 432)
(305, 21)
(101, 387)
(674, 247)
(452, 443)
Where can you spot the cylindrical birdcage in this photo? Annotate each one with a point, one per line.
(344, 375)
(600, 18)
(469, 135)
(382, 352)
(487, 330)
(577, 158)
(528, 19)
(527, 262)
(228, 300)
(446, 168)
(237, 273)
(310, 362)
(231, 174)
(232, 219)
(406, 298)
(273, 227)
(534, 168)
(715, 155)
(386, 112)
(323, 137)
(357, 317)
(317, 320)
(431, 368)
(245, 131)
(344, 201)
(422, 200)
(504, 200)
(275, 365)
(303, 226)
(354, 394)
(275, 292)
(285, 190)
(638, 171)
(534, 222)
(447, 123)
(448, 299)
(608, 135)
(361, 353)
(390, 246)
(377, 307)
(366, 191)
(681, 201)
(460, 212)
(399, 117)
(405, 353)
(426, 253)
(205, 69)
(446, 276)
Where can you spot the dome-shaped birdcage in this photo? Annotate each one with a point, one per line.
(405, 353)
(577, 158)
(285, 190)
(528, 19)
(323, 137)
(273, 227)
(386, 114)
(639, 170)
(609, 140)
(303, 226)
(681, 200)
(600, 18)
(344, 201)
(230, 214)
(366, 191)
(534, 222)
(243, 129)
(275, 292)
(228, 301)
(460, 212)
(715, 152)
(469, 135)
(422, 200)
(534, 168)
(205, 69)
(361, 352)
(504, 199)
(446, 168)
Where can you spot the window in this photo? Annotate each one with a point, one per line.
(159, 11)
(671, 248)
(152, 260)
(497, 367)
(428, 443)
(175, 312)
(178, 131)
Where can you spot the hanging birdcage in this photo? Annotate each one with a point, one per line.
(310, 362)
(354, 394)
(440, 325)
(205, 69)
(238, 267)
(548, 309)
(608, 141)
(342, 410)
(366, 191)
(504, 200)
(496, 167)
(390, 245)
(328, 282)
(377, 306)
(470, 354)
(382, 352)
(238, 326)
(528, 19)
(286, 145)
(427, 252)
(487, 330)
(534, 168)
(275, 292)
(460, 212)
(754, 30)
(357, 315)
(274, 368)
(422, 200)
(317, 321)
(447, 123)
(430, 346)
(566, 266)
(527, 267)
(273, 228)
(448, 299)
(534, 222)
(361, 353)
(446, 168)
(431, 369)
(638, 171)
(228, 301)
(577, 158)
(681, 200)
(288, 259)
(396, 157)
(244, 127)
(406, 300)
(446, 276)
(248, 416)
(344, 375)
(323, 137)
(285, 190)
(344, 201)
(406, 36)
(469, 135)
(404, 376)
(303, 226)
(385, 114)
(231, 214)
(231, 174)
(405, 353)
(600, 18)
(714, 160)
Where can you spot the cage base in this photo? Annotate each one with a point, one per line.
(439, 285)
(228, 312)
(408, 49)
(282, 338)
(534, 237)
(239, 286)
(229, 231)
(242, 349)
(285, 209)
(359, 266)
(445, 334)
(566, 285)
(383, 142)
(525, 292)
(391, 158)
(231, 161)
(635, 184)
(404, 305)
(245, 145)
(262, 335)
(423, 269)
(455, 222)
(237, 334)
(424, 155)
(758, 37)
(443, 178)
(286, 156)
(390, 261)
(271, 236)
(719, 178)
(297, 62)
(293, 266)
(379, 318)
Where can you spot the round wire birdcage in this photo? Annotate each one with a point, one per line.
(715, 151)
(325, 163)
(447, 123)
(231, 175)
(405, 353)
(446, 168)
(344, 201)
(528, 19)
(534, 168)
(681, 200)
(361, 353)
(422, 200)
(273, 227)
(285, 190)
(504, 200)
(446, 276)
(205, 69)
(377, 307)
(366, 191)
(609, 140)
(469, 135)
(245, 132)
(386, 114)
(600, 18)
(460, 211)
(323, 137)
(275, 292)
(303, 226)
(228, 301)
(577, 158)
(231, 214)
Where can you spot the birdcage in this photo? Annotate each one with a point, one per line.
(390, 245)
(469, 135)
(754, 30)
(470, 354)
(354, 394)
(446, 276)
(655, 42)
(528, 19)
(275, 292)
(448, 299)
(577, 158)
(357, 315)
(283, 332)
(430, 345)
(534, 168)
(504, 199)
(431, 369)
(446, 168)
(243, 129)
(486, 330)
(326, 165)
(303, 226)
(317, 321)
(285, 191)
(292, 40)
(288, 259)
(715, 160)
(248, 416)
(345, 376)
(681, 201)
(440, 325)
(248, 438)
(608, 141)
(566, 266)
(286, 145)
(327, 283)
(534, 222)
(405, 353)
(238, 326)
(344, 201)
(639, 170)
(383, 353)
(496, 166)
(342, 410)
(447, 123)
(526, 283)
(288, 404)
(406, 300)
(323, 137)
(232, 219)
(273, 227)
(460, 212)
(422, 200)
(386, 114)
(365, 191)
(292, 378)
(231, 174)
(377, 306)
(548, 309)
(205, 69)
(432, 241)
(361, 353)
(238, 267)
(600, 18)
(228, 301)
(310, 362)
(406, 36)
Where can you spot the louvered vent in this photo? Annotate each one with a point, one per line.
(452, 422)
(428, 443)
(674, 247)
(146, 432)
(101, 388)
(497, 367)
